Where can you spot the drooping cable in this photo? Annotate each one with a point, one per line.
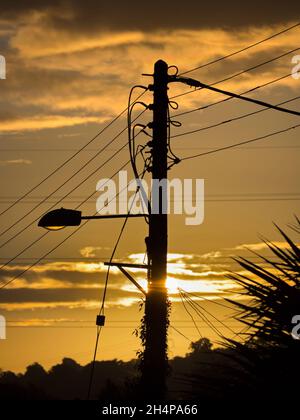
(65, 182)
(200, 313)
(208, 312)
(133, 152)
(189, 313)
(101, 311)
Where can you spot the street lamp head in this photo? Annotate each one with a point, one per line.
(60, 218)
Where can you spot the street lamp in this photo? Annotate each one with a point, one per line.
(60, 218)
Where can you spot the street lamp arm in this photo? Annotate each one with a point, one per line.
(113, 216)
(197, 84)
(60, 218)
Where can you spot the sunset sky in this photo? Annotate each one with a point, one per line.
(70, 67)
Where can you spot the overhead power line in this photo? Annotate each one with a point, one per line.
(66, 181)
(203, 309)
(106, 326)
(199, 312)
(234, 194)
(231, 146)
(242, 49)
(201, 297)
(189, 313)
(278, 79)
(214, 200)
(212, 151)
(238, 73)
(69, 159)
(45, 199)
(46, 233)
(95, 259)
(60, 243)
(65, 196)
(197, 83)
(111, 321)
(180, 333)
(113, 150)
(227, 121)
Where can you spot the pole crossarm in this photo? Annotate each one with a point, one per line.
(127, 265)
(120, 267)
(197, 84)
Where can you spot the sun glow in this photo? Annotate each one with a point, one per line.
(172, 286)
(200, 278)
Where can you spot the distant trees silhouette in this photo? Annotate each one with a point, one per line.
(64, 381)
(115, 380)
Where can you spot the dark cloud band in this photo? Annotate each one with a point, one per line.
(94, 15)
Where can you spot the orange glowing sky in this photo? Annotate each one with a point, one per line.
(67, 76)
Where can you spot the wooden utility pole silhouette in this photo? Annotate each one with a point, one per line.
(155, 361)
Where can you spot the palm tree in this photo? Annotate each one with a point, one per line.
(270, 352)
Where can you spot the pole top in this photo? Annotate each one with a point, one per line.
(161, 65)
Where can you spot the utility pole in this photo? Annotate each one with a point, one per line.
(155, 361)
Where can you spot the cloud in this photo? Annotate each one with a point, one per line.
(15, 162)
(90, 251)
(211, 255)
(23, 306)
(93, 16)
(39, 42)
(261, 246)
(78, 304)
(57, 77)
(60, 275)
(55, 283)
(59, 297)
(41, 322)
(43, 122)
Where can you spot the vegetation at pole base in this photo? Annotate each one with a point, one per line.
(141, 333)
